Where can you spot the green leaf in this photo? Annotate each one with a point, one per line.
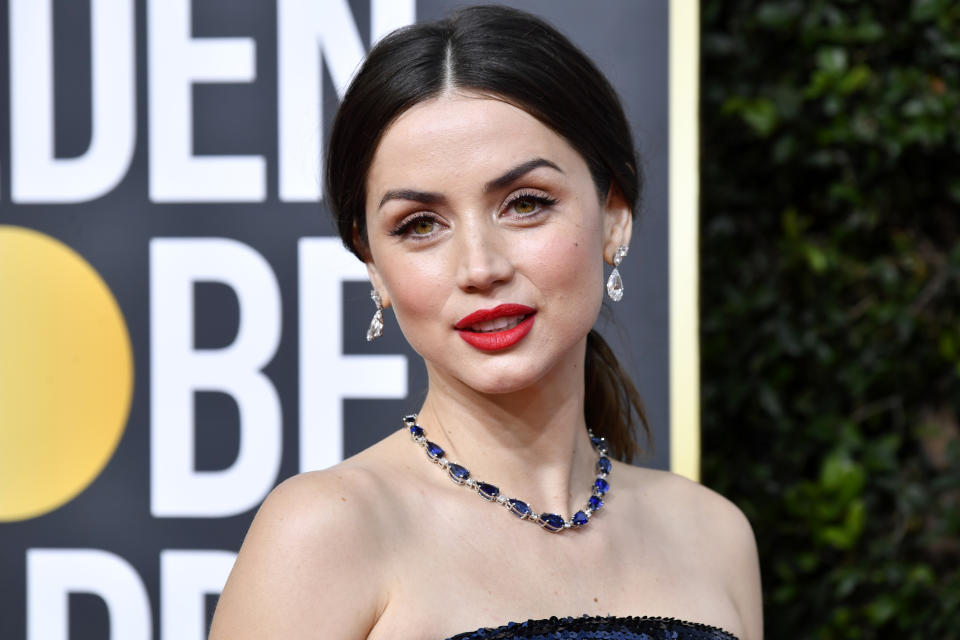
(855, 79)
(840, 474)
(816, 258)
(778, 14)
(833, 60)
(882, 609)
(761, 115)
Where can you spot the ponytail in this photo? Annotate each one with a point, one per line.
(612, 405)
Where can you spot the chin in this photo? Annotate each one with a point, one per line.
(497, 387)
(501, 380)
(505, 372)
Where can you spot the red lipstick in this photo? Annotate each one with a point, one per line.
(496, 340)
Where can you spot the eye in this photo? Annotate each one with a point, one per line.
(526, 204)
(421, 226)
(417, 227)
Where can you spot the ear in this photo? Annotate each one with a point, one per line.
(375, 280)
(617, 223)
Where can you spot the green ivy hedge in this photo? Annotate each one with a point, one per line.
(830, 305)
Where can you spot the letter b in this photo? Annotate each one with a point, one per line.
(178, 370)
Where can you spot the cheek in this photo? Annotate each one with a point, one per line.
(571, 267)
(416, 294)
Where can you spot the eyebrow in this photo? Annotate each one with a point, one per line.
(511, 176)
(425, 197)
(518, 172)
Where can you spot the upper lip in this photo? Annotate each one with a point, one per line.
(500, 311)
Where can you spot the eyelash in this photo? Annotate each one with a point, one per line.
(539, 199)
(405, 225)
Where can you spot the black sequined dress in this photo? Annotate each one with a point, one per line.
(599, 628)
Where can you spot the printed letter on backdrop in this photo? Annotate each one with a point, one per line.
(178, 370)
(186, 577)
(36, 175)
(326, 375)
(175, 61)
(53, 574)
(302, 27)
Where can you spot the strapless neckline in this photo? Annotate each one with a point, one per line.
(599, 627)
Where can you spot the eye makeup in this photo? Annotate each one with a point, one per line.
(535, 200)
(408, 224)
(539, 199)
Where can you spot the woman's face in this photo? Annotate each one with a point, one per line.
(473, 204)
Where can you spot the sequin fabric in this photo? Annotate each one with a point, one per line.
(595, 627)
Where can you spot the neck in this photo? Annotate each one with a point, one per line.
(532, 443)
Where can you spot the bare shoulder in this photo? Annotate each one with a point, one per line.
(309, 565)
(707, 529)
(693, 505)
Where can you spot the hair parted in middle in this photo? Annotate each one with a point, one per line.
(496, 51)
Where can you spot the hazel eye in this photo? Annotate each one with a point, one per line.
(528, 206)
(422, 227)
(524, 206)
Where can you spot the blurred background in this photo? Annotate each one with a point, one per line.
(830, 305)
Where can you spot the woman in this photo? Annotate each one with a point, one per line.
(483, 170)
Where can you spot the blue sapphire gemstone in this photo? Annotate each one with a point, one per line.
(551, 522)
(487, 490)
(603, 465)
(519, 507)
(580, 519)
(601, 486)
(599, 443)
(416, 432)
(457, 473)
(434, 451)
(594, 503)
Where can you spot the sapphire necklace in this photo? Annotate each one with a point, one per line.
(549, 521)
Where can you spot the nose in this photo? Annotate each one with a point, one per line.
(484, 258)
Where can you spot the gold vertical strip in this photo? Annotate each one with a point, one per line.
(684, 183)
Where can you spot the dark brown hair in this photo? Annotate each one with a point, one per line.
(518, 58)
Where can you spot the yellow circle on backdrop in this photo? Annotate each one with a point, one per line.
(66, 373)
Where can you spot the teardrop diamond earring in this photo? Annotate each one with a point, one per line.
(376, 325)
(615, 282)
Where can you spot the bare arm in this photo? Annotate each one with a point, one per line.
(722, 549)
(733, 554)
(745, 575)
(308, 567)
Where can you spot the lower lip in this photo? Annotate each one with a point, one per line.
(497, 340)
